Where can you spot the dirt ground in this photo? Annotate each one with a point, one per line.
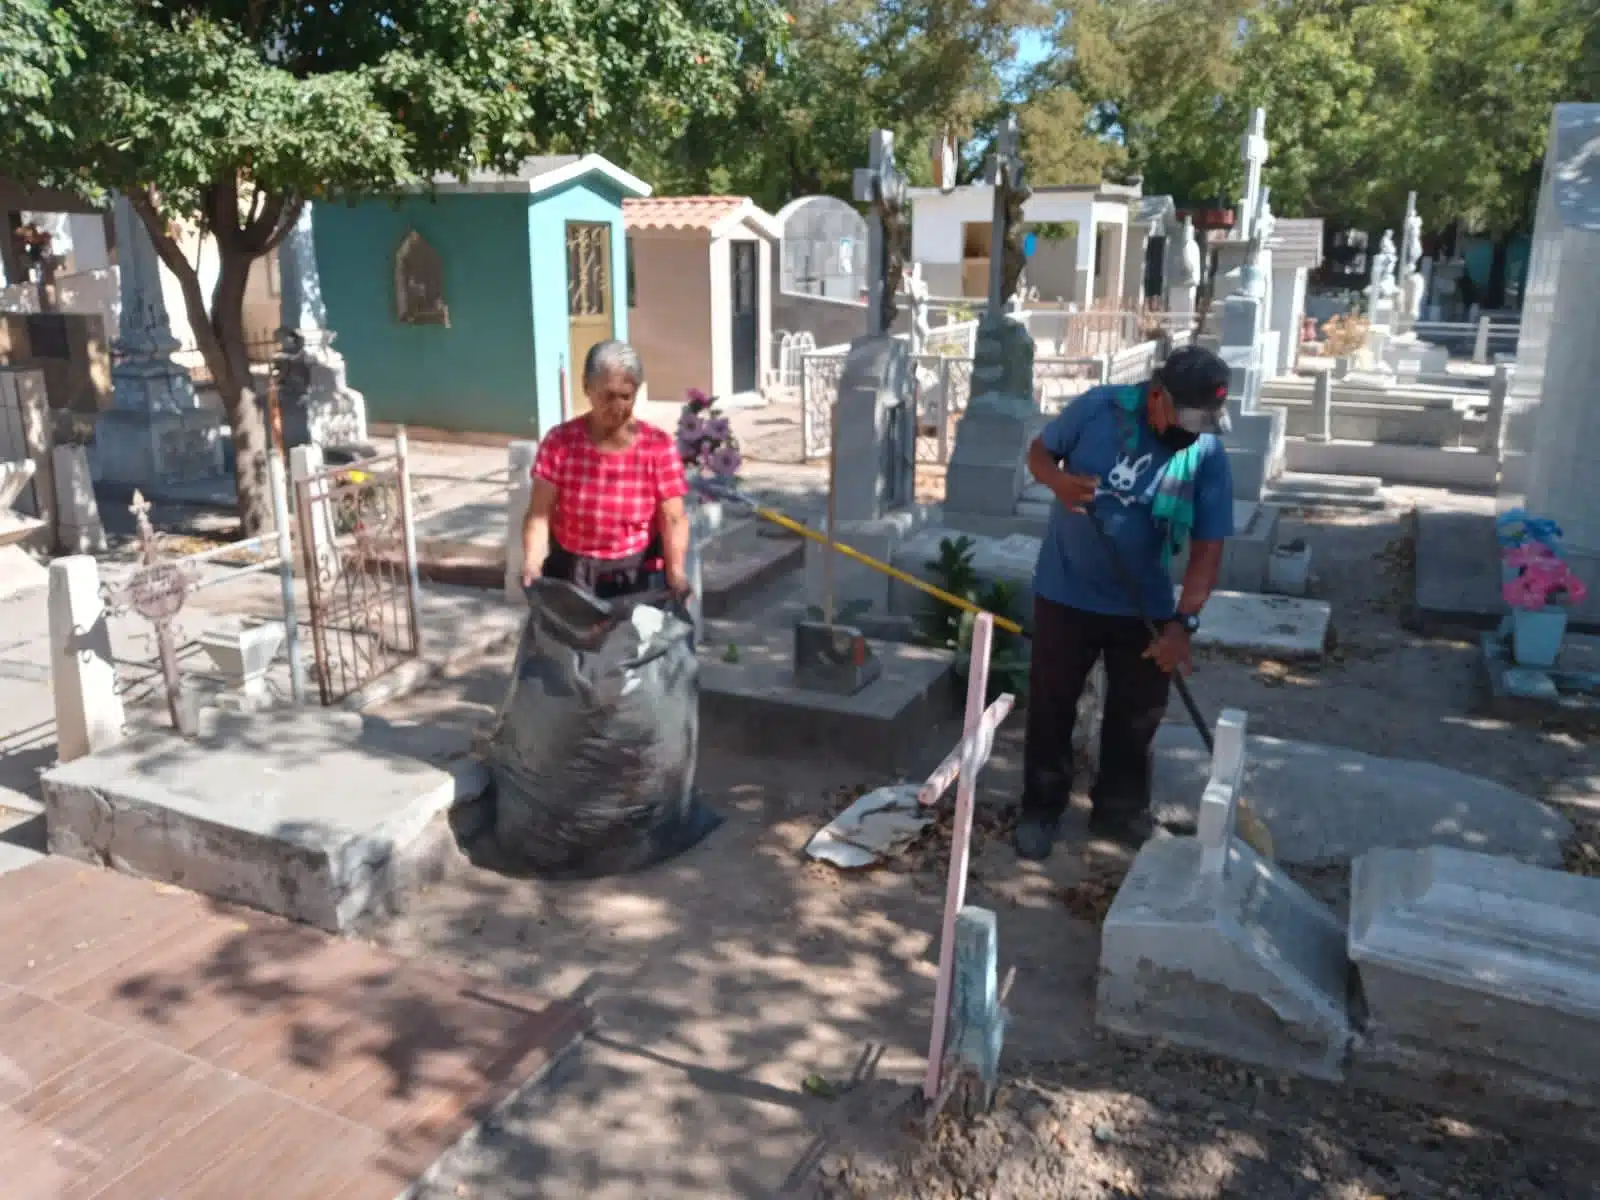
(762, 1018)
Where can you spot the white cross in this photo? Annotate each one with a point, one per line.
(1253, 149)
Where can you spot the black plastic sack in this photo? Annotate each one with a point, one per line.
(593, 750)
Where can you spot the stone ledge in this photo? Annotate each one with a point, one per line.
(318, 815)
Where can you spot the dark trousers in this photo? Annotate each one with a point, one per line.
(1066, 643)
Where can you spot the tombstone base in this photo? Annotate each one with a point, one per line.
(319, 407)
(988, 467)
(150, 449)
(1480, 968)
(1244, 964)
(833, 658)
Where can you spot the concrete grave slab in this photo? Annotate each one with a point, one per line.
(749, 699)
(1566, 696)
(323, 816)
(1284, 627)
(1209, 946)
(1479, 966)
(1327, 805)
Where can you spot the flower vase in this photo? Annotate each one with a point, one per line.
(1536, 635)
(705, 522)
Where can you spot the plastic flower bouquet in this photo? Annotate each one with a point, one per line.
(706, 443)
(1544, 580)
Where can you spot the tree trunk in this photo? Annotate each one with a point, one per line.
(238, 392)
(241, 237)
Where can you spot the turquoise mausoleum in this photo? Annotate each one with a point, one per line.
(469, 308)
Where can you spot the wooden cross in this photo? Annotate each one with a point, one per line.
(1003, 171)
(948, 1064)
(881, 186)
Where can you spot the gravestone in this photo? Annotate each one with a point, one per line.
(156, 434)
(1211, 947)
(317, 402)
(1183, 279)
(1479, 967)
(872, 457)
(1256, 441)
(988, 466)
(83, 673)
(1246, 240)
(1552, 441)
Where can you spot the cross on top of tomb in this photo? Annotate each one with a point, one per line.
(1253, 151)
(1004, 171)
(881, 186)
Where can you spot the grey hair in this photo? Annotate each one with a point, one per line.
(612, 355)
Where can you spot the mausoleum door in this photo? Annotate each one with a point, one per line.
(744, 305)
(589, 308)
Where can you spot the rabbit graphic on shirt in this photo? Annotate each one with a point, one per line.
(1124, 477)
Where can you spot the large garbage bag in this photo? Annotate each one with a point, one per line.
(593, 751)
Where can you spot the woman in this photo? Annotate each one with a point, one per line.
(607, 509)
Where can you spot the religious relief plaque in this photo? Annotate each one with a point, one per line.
(419, 283)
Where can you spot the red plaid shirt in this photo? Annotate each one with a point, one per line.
(606, 503)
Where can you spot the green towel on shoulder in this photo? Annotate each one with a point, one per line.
(1171, 492)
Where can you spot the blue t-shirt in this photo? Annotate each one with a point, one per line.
(1074, 567)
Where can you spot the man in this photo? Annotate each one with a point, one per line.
(1146, 462)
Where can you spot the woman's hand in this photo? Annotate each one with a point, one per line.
(530, 574)
(678, 583)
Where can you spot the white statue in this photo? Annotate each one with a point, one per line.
(1383, 267)
(916, 290)
(944, 161)
(1186, 262)
(1411, 243)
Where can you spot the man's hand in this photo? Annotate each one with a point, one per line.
(1170, 650)
(1075, 491)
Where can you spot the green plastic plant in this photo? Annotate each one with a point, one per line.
(950, 628)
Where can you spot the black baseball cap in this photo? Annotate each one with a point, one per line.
(1194, 377)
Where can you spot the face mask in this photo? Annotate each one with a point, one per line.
(1203, 420)
(1177, 437)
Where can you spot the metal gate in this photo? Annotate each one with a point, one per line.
(360, 553)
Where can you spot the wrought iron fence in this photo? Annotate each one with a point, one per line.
(944, 389)
(159, 588)
(357, 534)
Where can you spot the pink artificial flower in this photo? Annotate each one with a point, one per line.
(1527, 554)
(698, 400)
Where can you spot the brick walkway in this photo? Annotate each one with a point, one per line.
(156, 1046)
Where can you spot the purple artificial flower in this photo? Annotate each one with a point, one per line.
(718, 429)
(690, 427)
(725, 461)
(687, 450)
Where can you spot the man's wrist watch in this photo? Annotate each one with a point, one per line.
(1189, 622)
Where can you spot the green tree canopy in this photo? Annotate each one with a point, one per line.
(233, 113)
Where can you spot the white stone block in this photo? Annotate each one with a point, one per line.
(78, 526)
(83, 674)
(1480, 966)
(1245, 964)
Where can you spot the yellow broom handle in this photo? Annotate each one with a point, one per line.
(777, 518)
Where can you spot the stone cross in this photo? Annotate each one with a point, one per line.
(1003, 171)
(1253, 150)
(304, 315)
(1219, 804)
(881, 186)
(145, 377)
